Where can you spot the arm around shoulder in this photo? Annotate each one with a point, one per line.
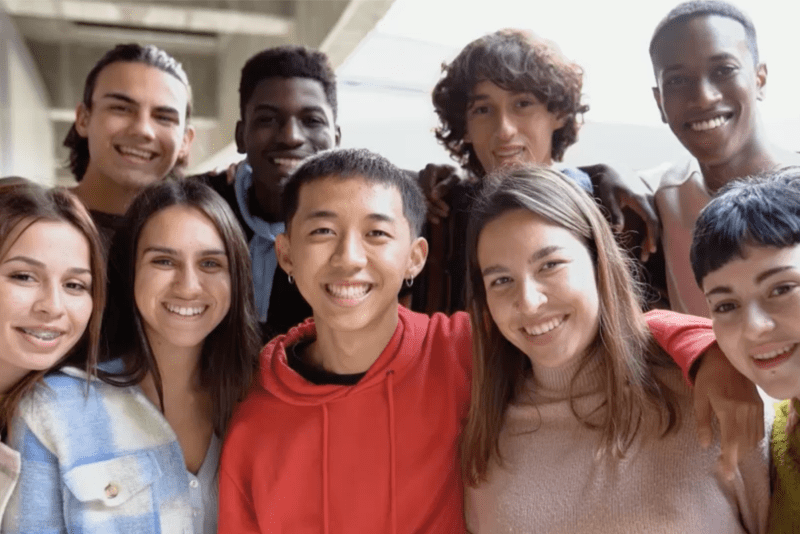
(684, 337)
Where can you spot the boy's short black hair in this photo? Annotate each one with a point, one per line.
(760, 211)
(350, 163)
(697, 8)
(287, 62)
(515, 60)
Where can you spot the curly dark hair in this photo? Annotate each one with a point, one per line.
(287, 62)
(133, 53)
(515, 60)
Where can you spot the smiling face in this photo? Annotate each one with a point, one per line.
(755, 308)
(285, 121)
(136, 127)
(708, 88)
(349, 247)
(45, 296)
(182, 285)
(540, 287)
(509, 128)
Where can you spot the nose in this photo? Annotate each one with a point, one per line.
(50, 301)
(706, 93)
(142, 125)
(757, 322)
(506, 127)
(349, 254)
(291, 132)
(187, 282)
(530, 296)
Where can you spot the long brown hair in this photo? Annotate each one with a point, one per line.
(623, 345)
(230, 352)
(23, 203)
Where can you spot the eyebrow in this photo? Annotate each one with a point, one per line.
(128, 100)
(716, 57)
(760, 277)
(536, 256)
(325, 214)
(174, 252)
(276, 109)
(36, 263)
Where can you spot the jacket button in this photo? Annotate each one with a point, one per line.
(112, 491)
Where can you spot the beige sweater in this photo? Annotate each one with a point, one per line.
(552, 483)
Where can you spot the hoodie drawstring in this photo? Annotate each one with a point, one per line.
(325, 504)
(392, 451)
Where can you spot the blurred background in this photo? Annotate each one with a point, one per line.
(387, 54)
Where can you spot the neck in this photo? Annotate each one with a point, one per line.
(353, 351)
(268, 202)
(103, 194)
(754, 159)
(179, 370)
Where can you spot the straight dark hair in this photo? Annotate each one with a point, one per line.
(623, 345)
(761, 211)
(230, 352)
(22, 204)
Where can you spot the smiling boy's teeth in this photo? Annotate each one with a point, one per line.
(44, 335)
(185, 311)
(349, 291)
(543, 328)
(774, 353)
(710, 124)
(128, 151)
(292, 163)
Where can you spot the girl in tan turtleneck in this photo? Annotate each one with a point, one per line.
(578, 421)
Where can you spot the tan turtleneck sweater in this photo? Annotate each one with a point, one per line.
(551, 481)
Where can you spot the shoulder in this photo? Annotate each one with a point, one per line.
(668, 175)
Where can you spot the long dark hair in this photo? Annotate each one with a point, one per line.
(624, 345)
(23, 203)
(132, 53)
(229, 354)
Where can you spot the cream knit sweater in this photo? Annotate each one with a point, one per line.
(551, 481)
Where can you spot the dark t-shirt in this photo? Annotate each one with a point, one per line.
(315, 374)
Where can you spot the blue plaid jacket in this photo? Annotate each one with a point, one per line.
(103, 462)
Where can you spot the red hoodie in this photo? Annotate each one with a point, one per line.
(377, 457)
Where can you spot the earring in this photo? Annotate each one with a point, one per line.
(291, 279)
(409, 281)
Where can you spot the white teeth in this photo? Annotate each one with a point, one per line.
(349, 291)
(138, 153)
(709, 124)
(543, 328)
(44, 335)
(292, 163)
(185, 311)
(770, 355)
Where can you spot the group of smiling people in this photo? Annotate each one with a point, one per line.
(229, 352)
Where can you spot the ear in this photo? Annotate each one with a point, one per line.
(466, 139)
(238, 135)
(417, 257)
(338, 137)
(186, 144)
(761, 80)
(559, 122)
(283, 251)
(657, 96)
(82, 116)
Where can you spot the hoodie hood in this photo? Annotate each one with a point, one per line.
(285, 383)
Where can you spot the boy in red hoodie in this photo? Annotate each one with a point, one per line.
(354, 423)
